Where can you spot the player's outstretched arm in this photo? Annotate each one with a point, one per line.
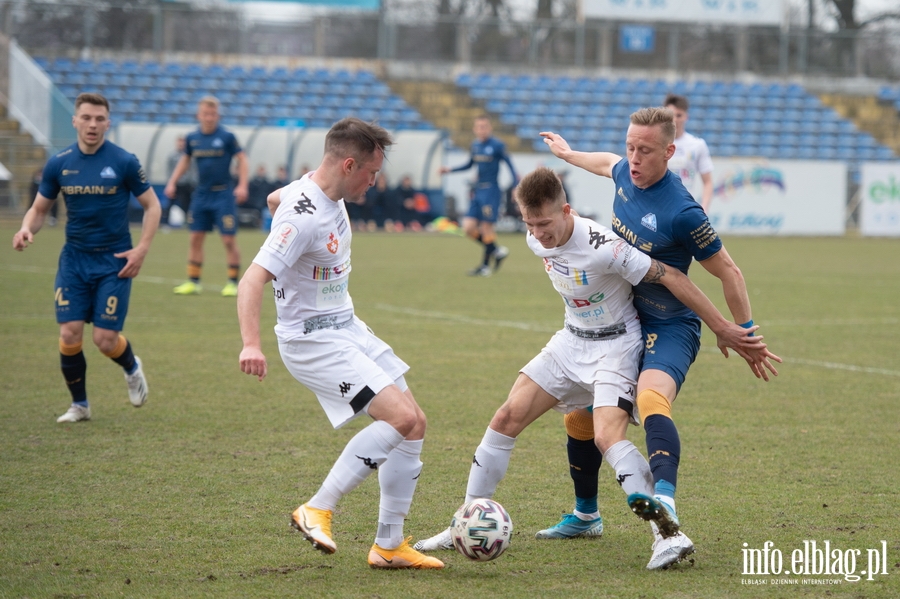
(249, 302)
(32, 222)
(721, 266)
(136, 255)
(599, 163)
(728, 334)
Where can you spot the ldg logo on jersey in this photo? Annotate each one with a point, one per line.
(584, 303)
(108, 173)
(596, 239)
(649, 221)
(304, 206)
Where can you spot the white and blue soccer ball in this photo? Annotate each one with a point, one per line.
(481, 530)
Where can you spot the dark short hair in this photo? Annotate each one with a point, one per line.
(539, 188)
(353, 137)
(679, 102)
(91, 98)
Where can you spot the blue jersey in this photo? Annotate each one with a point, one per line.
(97, 188)
(487, 155)
(213, 154)
(665, 222)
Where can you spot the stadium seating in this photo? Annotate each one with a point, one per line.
(772, 120)
(167, 92)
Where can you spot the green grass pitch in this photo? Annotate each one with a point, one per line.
(189, 496)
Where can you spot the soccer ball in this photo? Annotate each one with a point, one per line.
(481, 530)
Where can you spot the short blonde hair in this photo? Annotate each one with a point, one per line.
(208, 101)
(657, 117)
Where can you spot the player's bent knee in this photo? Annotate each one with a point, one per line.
(651, 403)
(579, 425)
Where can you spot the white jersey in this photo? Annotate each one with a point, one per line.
(594, 272)
(308, 251)
(690, 159)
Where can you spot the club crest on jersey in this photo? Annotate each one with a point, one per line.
(217, 143)
(108, 173)
(332, 244)
(649, 221)
(581, 277)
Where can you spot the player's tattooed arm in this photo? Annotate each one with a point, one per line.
(656, 273)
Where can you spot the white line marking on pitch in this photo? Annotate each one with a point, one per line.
(529, 327)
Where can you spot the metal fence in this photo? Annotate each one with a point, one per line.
(73, 29)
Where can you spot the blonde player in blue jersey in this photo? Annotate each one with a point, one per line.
(654, 212)
(98, 262)
(213, 203)
(487, 154)
(593, 361)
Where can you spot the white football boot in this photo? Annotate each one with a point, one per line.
(669, 551)
(137, 385)
(441, 540)
(75, 413)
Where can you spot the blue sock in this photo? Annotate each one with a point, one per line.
(664, 449)
(665, 488)
(584, 466)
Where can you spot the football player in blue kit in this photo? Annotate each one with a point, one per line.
(654, 212)
(98, 262)
(213, 201)
(487, 154)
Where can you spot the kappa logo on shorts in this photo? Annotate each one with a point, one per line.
(344, 388)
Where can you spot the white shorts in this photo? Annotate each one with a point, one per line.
(345, 368)
(589, 372)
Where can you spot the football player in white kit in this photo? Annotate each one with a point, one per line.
(593, 361)
(331, 351)
(691, 157)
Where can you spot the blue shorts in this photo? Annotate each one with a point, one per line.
(485, 205)
(671, 346)
(209, 208)
(88, 288)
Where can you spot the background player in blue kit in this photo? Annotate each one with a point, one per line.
(213, 202)
(653, 211)
(487, 153)
(97, 263)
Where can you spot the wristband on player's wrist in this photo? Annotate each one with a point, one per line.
(747, 325)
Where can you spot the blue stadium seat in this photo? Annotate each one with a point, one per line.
(173, 69)
(194, 69)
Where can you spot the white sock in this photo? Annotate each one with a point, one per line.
(586, 517)
(489, 464)
(397, 477)
(631, 467)
(365, 452)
